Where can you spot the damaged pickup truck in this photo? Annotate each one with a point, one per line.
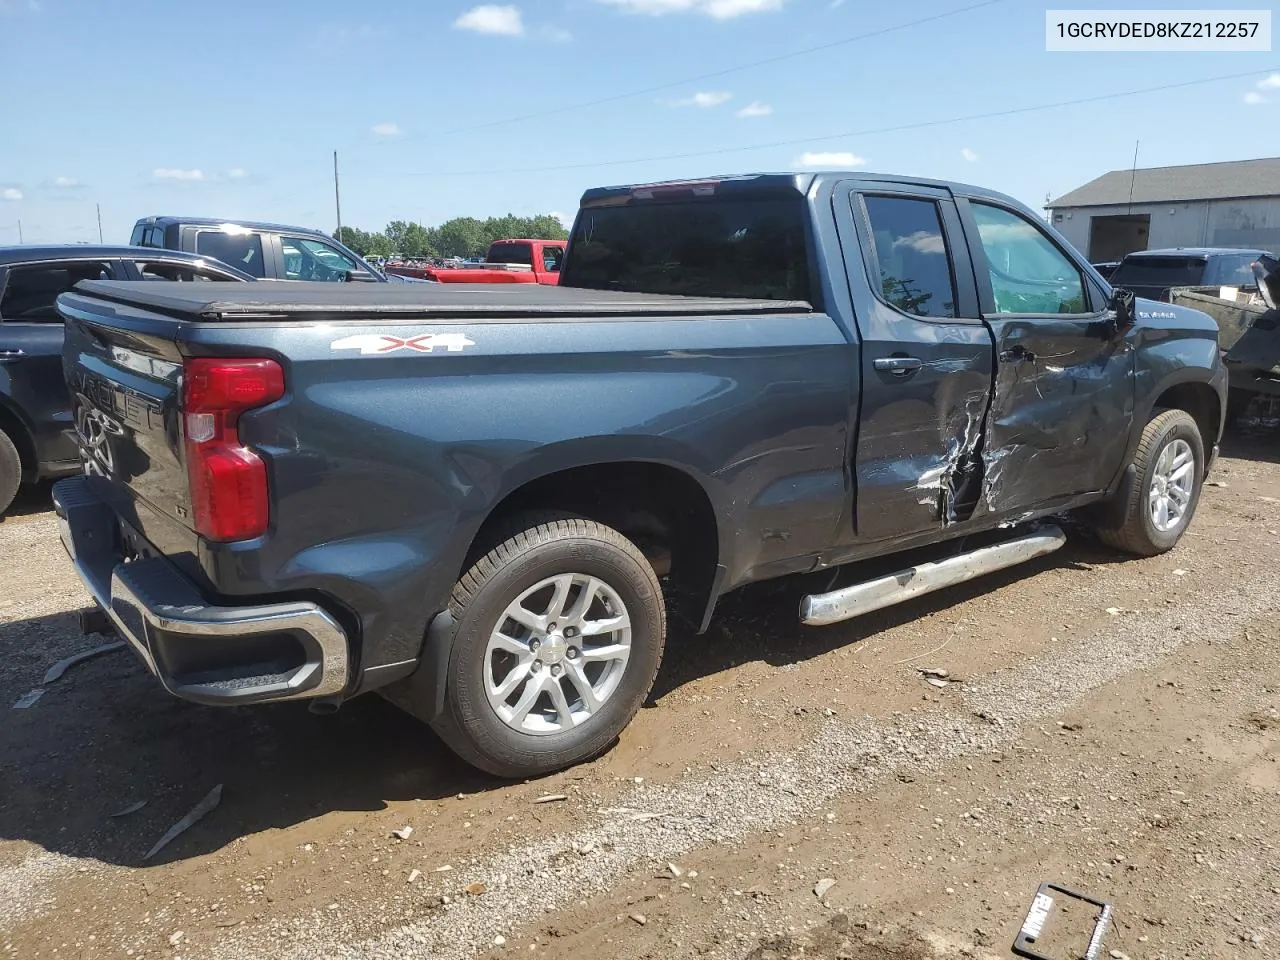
(485, 502)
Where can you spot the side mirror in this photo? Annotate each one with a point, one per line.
(360, 276)
(1124, 310)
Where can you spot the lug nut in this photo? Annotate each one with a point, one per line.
(551, 628)
(573, 653)
(555, 670)
(534, 644)
(537, 665)
(571, 631)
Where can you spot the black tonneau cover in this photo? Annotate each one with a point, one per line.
(311, 300)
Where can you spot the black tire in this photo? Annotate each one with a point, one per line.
(10, 472)
(1137, 533)
(546, 546)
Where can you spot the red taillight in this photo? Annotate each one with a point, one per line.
(228, 480)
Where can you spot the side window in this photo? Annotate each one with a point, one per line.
(1234, 270)
(912, 255)
(306, 259)
(176, 271)
(136, 238)
(31, 291)
(155, 238)
(552, 257)
(1028, 273)
(243, 250)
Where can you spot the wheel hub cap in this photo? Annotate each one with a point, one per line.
(557, 654)
(1172, 485)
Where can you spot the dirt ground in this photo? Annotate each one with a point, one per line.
(1110, 725)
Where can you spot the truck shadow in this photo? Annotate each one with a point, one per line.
(105, 737)
(33, 499)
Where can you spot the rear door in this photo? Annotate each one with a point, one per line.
(243, 249)
(31, 350)
(926, 359)
(1063, 405)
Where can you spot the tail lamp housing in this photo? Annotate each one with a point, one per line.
(228, 481)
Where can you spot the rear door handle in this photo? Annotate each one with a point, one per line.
(899, 366)
(15, 352)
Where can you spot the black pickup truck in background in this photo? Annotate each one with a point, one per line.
(37, 440)
(483, 501)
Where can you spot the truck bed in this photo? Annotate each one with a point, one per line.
(239, 301)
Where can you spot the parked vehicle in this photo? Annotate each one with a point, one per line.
(37, 440)
(267, 251)
(1106, 268)
(508, 261)
(1153, 273)
(736, 379)
(1248, 333)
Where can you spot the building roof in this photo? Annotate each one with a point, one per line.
(1200, 181)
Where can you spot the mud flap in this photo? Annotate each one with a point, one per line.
(422, 693)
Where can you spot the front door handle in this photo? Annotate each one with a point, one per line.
(15, 352)
(899, 366)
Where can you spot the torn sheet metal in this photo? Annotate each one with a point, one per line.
(1060, 412)
(56, 671)
(194, 816)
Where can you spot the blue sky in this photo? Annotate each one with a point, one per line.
(233, 109)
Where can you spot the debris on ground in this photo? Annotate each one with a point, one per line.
(196, 814)
(28, 699)
(132, 808)
(823, 887)
(55, 672)
(551, 798)
(938, 673)
(476, 889)
(935, 682)
(640, 918)
(404, 833)
(414, 875)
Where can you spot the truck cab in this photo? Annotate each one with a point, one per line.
(508, 261)
(267, 251)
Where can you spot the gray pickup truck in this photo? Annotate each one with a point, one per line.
(482, 501)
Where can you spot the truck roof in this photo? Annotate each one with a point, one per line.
(367, 301)
(165, 221)
(770, 184)
(1201, 253)
(89, 251)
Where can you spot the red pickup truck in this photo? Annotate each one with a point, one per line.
(508, 261)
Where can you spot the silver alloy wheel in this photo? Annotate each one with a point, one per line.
(557, 654)
(1172, 483)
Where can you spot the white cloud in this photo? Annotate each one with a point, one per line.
(237, 173)
(566, 219)
(704, 99)
(387, 129)
(716, 9)
(833, 159)
(174, 173)
(969, 155)
(10, 193)
(66, 183)
(1253, 98)
(1270, 83)
(491, 18)
(19, 6)
(755, 109)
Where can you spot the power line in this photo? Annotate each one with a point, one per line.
(716, 74)
(872, 131)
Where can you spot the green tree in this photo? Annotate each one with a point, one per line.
(462, 237)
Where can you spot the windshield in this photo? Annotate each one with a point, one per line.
(1159, 272)
(1234, 270)
(712, 248)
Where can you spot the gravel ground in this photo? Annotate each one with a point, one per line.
(772, 758)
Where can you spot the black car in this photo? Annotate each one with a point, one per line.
(37, 436)
(1153, 273)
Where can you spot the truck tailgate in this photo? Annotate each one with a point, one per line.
(124, 375)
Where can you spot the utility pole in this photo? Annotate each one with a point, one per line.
(337, 198)
(99, 206)
(1133, 175)
(20, 230)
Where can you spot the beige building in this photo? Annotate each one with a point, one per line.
(1234, 204)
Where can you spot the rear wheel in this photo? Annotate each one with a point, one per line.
(1169, 466)
(559, 631)
(10, 471)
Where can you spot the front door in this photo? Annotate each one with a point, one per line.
(31, 350)
(1060, 418)
(926, 360)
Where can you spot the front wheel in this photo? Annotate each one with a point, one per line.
(10, 471)
(1169, 470)
(559, 631)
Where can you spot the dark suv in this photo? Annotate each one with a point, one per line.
(268, 251)
(37, 436)
(1153, 273)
